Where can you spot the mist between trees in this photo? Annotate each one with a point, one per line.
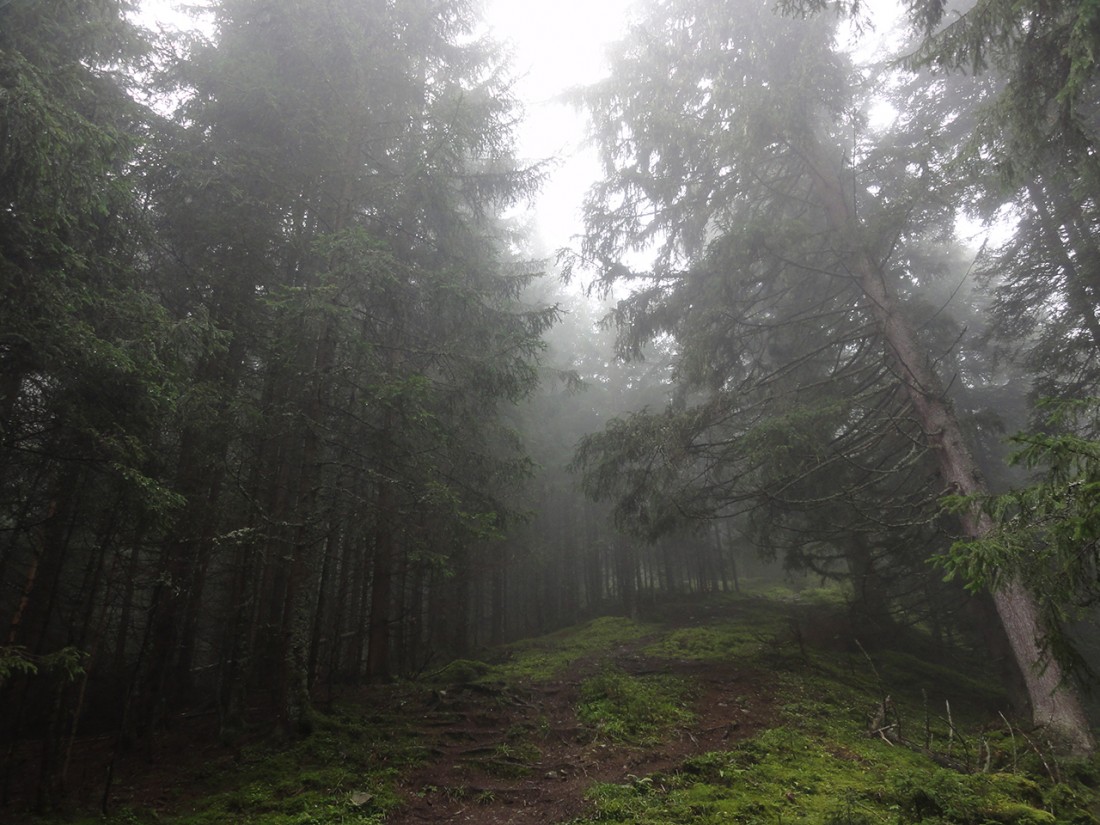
(287, 405)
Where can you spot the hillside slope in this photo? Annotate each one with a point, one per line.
(729, 709)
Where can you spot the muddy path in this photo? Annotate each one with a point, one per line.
(501, 754)
(467, 751)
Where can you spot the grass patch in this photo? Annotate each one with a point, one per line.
(634, 709)
(788, 776)
(832, 594)
(731, 627)
(546, 657)
(779, 776)
(721, 641)
(823, 764)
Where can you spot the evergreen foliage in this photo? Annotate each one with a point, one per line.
(783, 268)
(256, 355)
(285, 407)
(786, 415)
(1047, 532)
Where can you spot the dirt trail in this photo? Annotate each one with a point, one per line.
(493, 753)
(510, 755)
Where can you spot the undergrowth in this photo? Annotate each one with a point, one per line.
(789, 776)
(344, 773)
(880, 736)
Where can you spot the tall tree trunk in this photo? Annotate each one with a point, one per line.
(361, 626)
(317, 639)
(499, 556)
(378, 645)
(1055, 702)
(417, 623)
(125, 616)
(594, 576)
(1077, 296)
(293, 663)
(626, 575)
(458, 635)
(239, 621)
(668, 565)
(725, 556)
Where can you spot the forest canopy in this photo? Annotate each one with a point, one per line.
(287, 401)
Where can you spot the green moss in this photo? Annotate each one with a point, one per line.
(779, 776)
(830, 771)
(947, 796)
(1015, 813)
(833, 594)
(544, 658)
(344, 772)
(1071, 805)
(745, 629)
(634, 709)
(817, 764)
(722, 641)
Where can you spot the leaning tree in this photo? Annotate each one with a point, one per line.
(784, 264)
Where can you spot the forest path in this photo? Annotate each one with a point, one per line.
(518, 754)
(474, 742)
(529, 737)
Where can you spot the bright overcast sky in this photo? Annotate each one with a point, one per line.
(556, 45)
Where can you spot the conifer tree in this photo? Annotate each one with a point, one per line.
(725, 132)
(340, 168)
(88, 363)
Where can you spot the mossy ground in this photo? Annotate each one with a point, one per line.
(549, 656)
(343, 772)
(881, 736)
(836, 732)
(635, 709)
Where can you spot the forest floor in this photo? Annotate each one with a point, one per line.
(719, 709)
(519, 755)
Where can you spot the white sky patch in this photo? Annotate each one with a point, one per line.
(556, 47)
(170, 15)
(993, 233)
